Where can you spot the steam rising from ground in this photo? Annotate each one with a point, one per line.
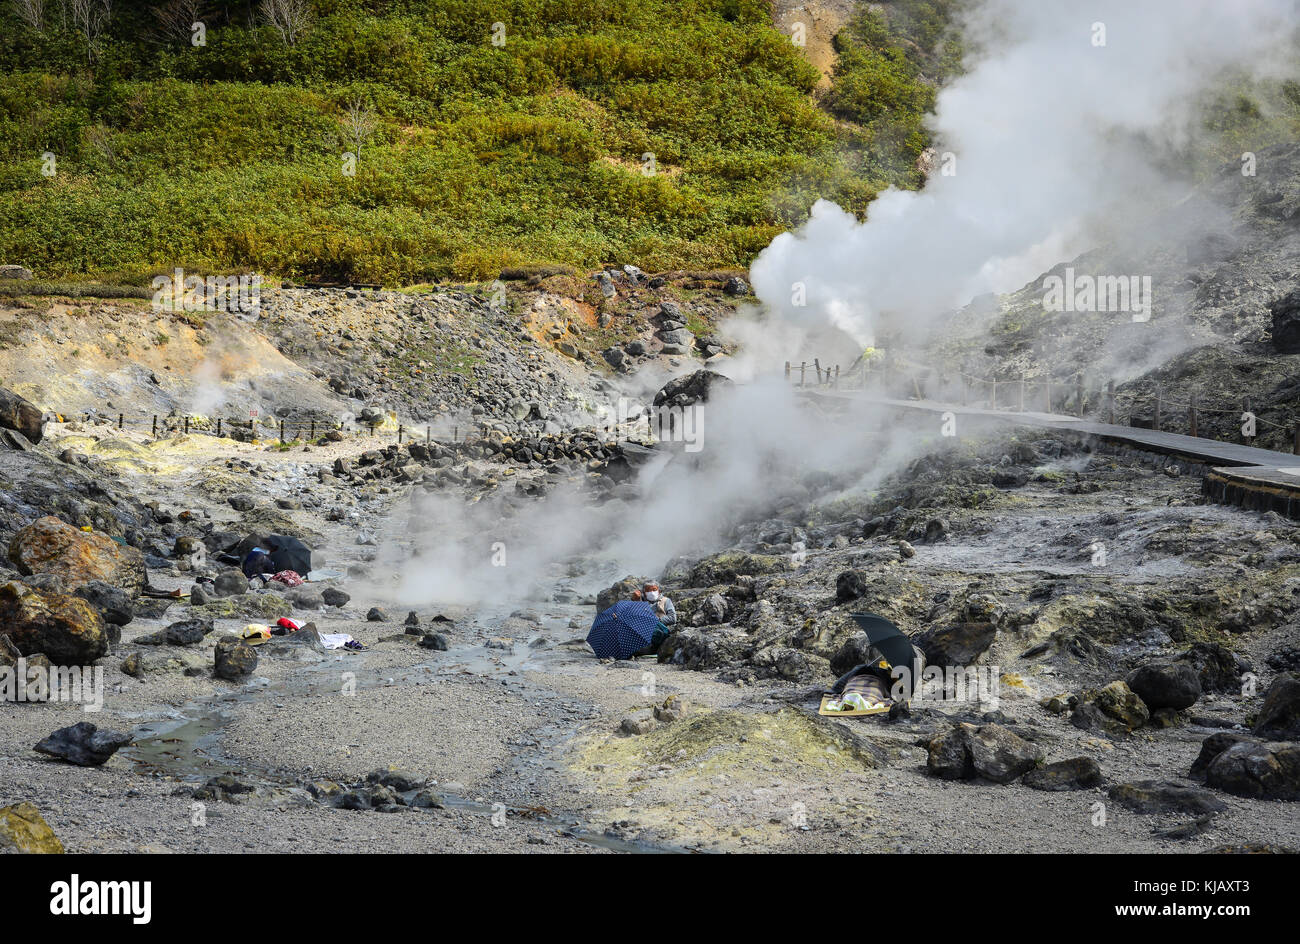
(1054, 138)
(760, 449)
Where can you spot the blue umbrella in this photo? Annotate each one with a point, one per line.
(623, 630)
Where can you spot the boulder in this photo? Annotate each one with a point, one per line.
(1174, 685)
(1261, 771)
(83, 744)
(113, 604)
(230, 583)
(849, 585)
(1120, 703)
(233, 660)
(988, 751)
(958, 644)
(21, 416)
(333, 596)
(855, 651)
(188, 632)
(1279, 716)
(1077, 773)
(435, 641)
(65, 628)
(24, 830)
(51, 546)
(1162, 796)
(727, 566)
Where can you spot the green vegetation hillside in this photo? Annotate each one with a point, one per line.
(669, 134)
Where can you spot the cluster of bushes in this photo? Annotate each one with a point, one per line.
(671, 133)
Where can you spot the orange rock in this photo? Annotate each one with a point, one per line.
(51, 546)
(66, 629)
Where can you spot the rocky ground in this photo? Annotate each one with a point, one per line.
(1140, 640)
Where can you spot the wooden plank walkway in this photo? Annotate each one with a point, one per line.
(1261, 479)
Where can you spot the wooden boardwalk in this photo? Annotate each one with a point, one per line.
(1237, 474)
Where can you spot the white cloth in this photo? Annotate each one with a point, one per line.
(334, 640)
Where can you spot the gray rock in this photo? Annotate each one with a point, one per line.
(230, 583)
(1166, 684)
(1160, 796)
(1076, 773)
(1279, 716)
(113, 604)
(188, 632)
(233, 660)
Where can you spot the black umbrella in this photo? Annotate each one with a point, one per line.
(889, 641)
(288, 553)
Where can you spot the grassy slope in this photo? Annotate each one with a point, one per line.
(229, 156)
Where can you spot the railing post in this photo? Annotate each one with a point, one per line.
(993, 393)
(787, 371)
(1245, 408)
(400, 430)
(282, 432)
(803, 372)
(1078, 395)
(1110, 402)
(1191, 413)
(1047, 392)
(121, 417)
(1022, 393)
(218, 427)
(817, 365)
(187, 425)
(1155, 423)
(155, 426)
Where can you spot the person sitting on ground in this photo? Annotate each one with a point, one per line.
(665, 612)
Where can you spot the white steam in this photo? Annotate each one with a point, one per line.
(1054, 135)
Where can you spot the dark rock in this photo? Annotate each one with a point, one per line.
(1286, 323)
(1076, 773)
(1162, 796)
(113, 604)
(1261, 771)
(233, 660)
(333, 596)
(395, 779)
(855, 651)
(849, 585)
(958, 644)
(1279, 716)
(435, 641)
(242, 502)
(988, 751)
(188, 632)
(376, 615)
(692, 388)
(83, 744)
(1166, 684)
(1218, 667)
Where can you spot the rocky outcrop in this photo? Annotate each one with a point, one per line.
(1262, 770)
(65, 628)
(52, 546)
(958, 644)
(21, 416)
(690, 389)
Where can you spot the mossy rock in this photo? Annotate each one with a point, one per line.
(264, 605)
(23, 829)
